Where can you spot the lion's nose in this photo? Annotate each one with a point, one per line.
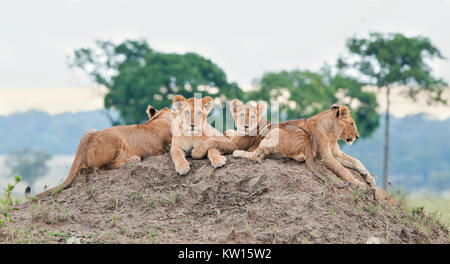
(192, 126)
(246, 127)
(357, 136)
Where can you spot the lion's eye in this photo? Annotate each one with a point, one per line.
(253, 117)
(199, 113)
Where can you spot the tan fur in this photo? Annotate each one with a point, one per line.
(251, 129)
(112, 147)
(190, 129)
(315, 137)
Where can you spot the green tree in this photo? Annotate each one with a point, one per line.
(30, 164)
(305, 93)
(393, 60)
(136, 75)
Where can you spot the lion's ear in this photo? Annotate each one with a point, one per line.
(261, 107)
(234, 104)
(335, 107)
(207, 103)
(178, 102)
(343, 111)
(150, 111)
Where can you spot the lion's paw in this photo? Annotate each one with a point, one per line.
(229, 133)
(219, 162)
(358, 185)
(238, 153)
(183, 169)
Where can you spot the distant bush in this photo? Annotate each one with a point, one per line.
(31, 164)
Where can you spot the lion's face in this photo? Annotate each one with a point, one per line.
(246, 117)
(349, 132)
(191, 114)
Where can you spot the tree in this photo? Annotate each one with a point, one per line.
(306, 93)
(393, 60)
(135, 76)
(28, 163)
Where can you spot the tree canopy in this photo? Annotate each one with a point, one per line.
(393, 60)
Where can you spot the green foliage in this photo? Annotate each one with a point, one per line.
(394, 59)
(136, 76)
(7, 204)
(306, 93)
(417, 211)
(31, 164)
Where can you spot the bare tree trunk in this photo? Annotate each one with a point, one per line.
(386, 140)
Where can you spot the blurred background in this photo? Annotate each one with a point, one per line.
(70, 65)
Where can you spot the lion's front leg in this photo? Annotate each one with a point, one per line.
(217, 160)
(335, 167)
(256, 155)
(179, 160)
(350, 162)
(223, 144)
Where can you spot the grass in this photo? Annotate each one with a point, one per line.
(431, 205)
(7, 203)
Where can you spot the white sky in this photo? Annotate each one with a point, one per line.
(245, 38)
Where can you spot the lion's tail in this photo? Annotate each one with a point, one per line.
(76, 166)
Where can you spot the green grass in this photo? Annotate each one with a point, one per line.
(431, 205)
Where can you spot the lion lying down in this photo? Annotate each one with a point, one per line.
(112, 147)
(315, 137)
(291, 138)
(190, 129)
(302, 140)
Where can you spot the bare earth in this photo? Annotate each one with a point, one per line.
(278, 201)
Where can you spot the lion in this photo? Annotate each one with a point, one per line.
(190, 129)
(251, 129)
(316, 137)
(112, 147)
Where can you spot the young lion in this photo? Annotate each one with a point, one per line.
(112, 147)
(251, 129)
(315, 137)
(190, 129)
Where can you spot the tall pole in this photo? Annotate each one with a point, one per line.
(386, 140)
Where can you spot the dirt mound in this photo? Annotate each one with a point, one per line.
(278, 201)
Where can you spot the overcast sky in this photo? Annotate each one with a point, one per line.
(245, 38)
